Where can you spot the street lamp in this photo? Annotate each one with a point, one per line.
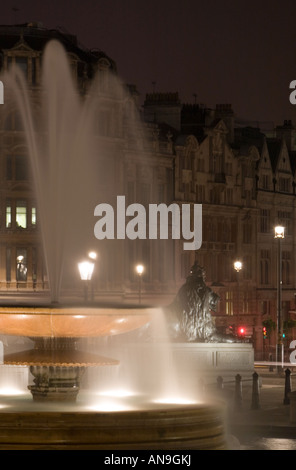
(279, 231)
(140, 270)
(92, 255)
(238, 266)
(279, 234)
(86, 270)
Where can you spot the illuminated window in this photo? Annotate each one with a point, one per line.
(21, 264)
(21, 214)
(8, 214)
(33, 217)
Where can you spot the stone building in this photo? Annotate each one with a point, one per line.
(137, 162)
(245, 181)
(175, 153)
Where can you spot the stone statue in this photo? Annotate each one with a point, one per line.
(189, 317)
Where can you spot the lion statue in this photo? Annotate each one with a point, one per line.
(189, 316)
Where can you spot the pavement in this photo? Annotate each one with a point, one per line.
(270, 426)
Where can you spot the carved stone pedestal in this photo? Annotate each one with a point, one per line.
(57, 367)
(55, 383)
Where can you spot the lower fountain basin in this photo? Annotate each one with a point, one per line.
(199, 427)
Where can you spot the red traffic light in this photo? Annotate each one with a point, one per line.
(264, 332)
(241, 330)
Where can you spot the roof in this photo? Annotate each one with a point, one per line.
(37, 36)
(274, 147)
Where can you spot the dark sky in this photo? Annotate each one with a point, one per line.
(224, 51)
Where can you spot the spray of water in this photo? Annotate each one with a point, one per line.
(73, 167)
(148, 368)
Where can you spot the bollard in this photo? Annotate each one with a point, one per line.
(287, 387)
(255, 392)
(238, 398)
(220, 384)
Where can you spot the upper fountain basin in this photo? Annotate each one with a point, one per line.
(71, 322)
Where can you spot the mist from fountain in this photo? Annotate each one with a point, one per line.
(72, 171)
(148, 368)
(71, 174)
(71, 167)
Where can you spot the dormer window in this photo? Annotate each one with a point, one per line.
(27, 66)
(21, 62)
(26, 58)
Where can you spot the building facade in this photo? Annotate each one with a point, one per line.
(245, 181)
(132, 159)
(166, 152)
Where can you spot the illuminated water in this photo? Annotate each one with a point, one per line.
(73, 167)
(73, 170)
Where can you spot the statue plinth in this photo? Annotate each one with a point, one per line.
(210, 360)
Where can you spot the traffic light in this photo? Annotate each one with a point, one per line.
(241, 331)
(264, 333)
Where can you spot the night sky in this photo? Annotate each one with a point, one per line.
(231, 51)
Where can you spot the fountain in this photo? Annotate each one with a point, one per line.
(65, 167)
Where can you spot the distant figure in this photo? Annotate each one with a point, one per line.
(189, 316)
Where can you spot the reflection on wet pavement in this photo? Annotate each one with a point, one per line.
(270, 444)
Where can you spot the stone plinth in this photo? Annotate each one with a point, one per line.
(211, 360)
(184, 365)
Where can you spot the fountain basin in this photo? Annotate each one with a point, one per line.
(54, 361)
(72, 322)
(197, 427)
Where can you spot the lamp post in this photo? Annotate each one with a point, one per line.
(140, 270)
(238, 267)
(279, 234)
(86, 270)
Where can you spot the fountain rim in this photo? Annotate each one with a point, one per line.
(74, 310)
(71, 321)
(196, 427)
